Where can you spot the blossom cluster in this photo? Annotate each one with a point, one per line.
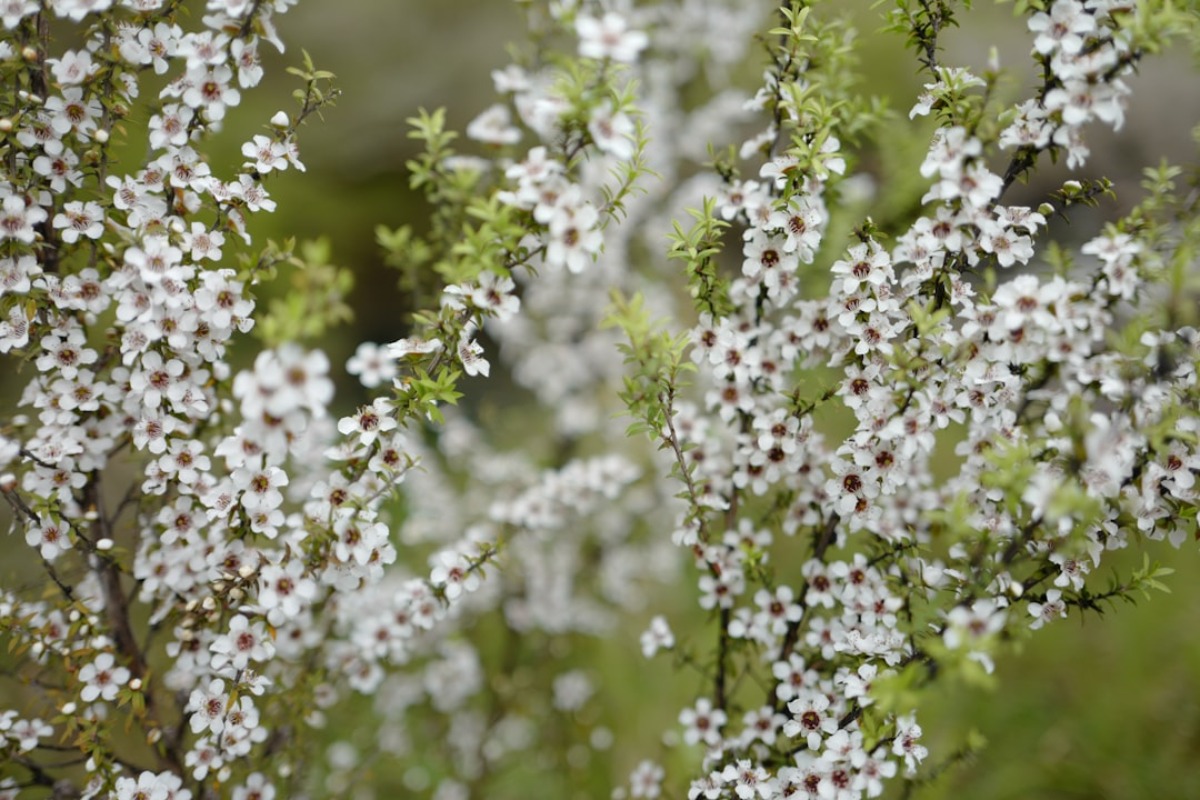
(886, 446)
(255, 541)
(925, 345)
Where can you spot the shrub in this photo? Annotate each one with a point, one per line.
(885, 423)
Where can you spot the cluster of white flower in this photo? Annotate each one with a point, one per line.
(1088, 52)
(255, 537)
(260, 541)
(127, 312)
(980, 363)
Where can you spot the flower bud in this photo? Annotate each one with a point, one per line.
(280, 120)
(104, 544)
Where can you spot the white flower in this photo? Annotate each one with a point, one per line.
(494, 126)
(646, 780)
(149, 786)
(908, 732)
(1053, 608)
(967, 624)
(11, 11)
(612, 132)
(369, 422)
(284, 591)
(609, 37)
(27, 733)
(1064, 28)
(102, 680)
(76, 10)
(470, 353)
(452, 572)
(657, 637)
(401, 348)
(207, 707)
(50, 538)
(372, 364)
(574, 240)
(17, 219)
(256, 787)
(702, 723)
(243, 643)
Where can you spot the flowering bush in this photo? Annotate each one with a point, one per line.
(891, 426)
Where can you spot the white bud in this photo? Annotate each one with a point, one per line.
(69, 708)
(101, 136)
(280, 120)
(246, 570)
(208, 604)
(136, 684)
(105, 544)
